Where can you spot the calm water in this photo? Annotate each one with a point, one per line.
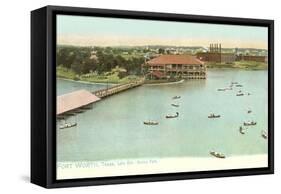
(114, 128)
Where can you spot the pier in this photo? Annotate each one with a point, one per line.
(72, 102)
(117, 89)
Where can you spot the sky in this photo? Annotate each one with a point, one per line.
(101, 31)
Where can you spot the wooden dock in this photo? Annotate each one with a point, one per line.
(117, 89)
(70, 103)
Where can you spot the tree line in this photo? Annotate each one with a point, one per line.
(82, 61)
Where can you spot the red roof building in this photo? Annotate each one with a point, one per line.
(176, 66)
(175, 59)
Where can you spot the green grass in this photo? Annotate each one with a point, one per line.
(63, 72)
(108, 77)
(247, 65)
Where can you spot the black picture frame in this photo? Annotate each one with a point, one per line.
(43, 96)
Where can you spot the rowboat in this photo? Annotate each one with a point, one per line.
(175, 105)
(211, 116)
(67, 125)
(264, 134)
(242, 130)
(217, 154)
(172, 116)
(150, 123)
(176, 97)
(250, 123)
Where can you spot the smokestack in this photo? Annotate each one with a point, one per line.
(216, 47)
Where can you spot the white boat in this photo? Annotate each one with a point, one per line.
(67, 125)
(217, 154)
(172, 116)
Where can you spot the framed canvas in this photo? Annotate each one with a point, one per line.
(125, 96)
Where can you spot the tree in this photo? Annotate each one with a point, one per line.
(161, 51)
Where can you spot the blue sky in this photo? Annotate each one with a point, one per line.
(82, 30)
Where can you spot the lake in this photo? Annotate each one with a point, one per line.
(114, 128)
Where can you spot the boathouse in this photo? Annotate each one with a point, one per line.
(175, 66)
(71, 101)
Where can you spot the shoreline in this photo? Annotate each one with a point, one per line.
(122, 167)
(101, 83)
(86, 82)
(164, 83)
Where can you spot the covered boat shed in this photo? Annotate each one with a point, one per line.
(74, 100)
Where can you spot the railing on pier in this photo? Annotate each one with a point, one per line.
(118, 88)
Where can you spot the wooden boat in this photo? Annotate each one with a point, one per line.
(240, 94)
(242, 130)
(232, 83)
(176, 97)
(239, 85)
(150, 123)
(175, 105)
(221, 89)
(250, 123)
(264, 134)
(67, 125)
(217, 154)
(211, 116)
(172, 116)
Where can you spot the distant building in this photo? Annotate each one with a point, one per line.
(252, 58)
(215, 55)
(175, 66)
